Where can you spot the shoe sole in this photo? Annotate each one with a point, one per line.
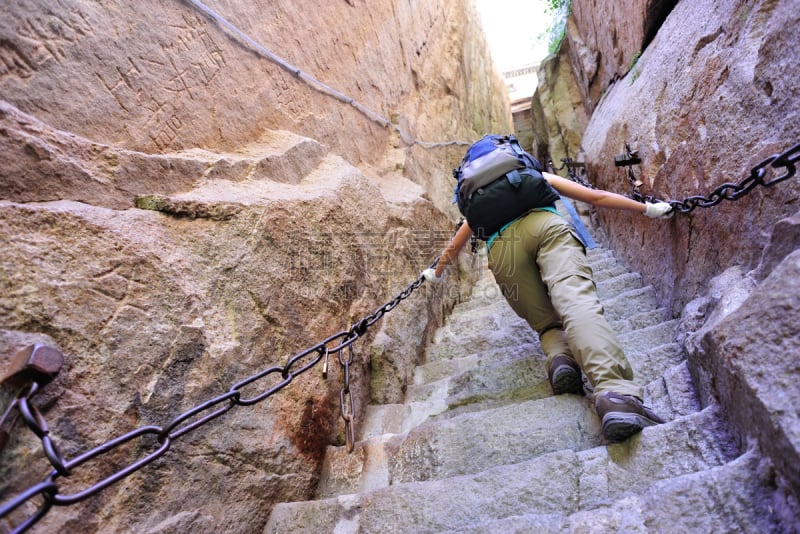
(567, 380)
(619, 426)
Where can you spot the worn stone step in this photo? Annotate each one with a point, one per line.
(601, 262)
(734, 497)
(507, 434)
(630, 310)
(523, 377)
(485, 439)
(439, 369)
(484, 292)
(641, 340)
(608, 271)
(559, 482)
(673, 395)
(492, 317)
(466, 340)
(611, 287)
(509, 379)
(380, 419)
(640, 320)
(598, 252)
(649, 365)
(446, 446)
(512, 335)
(629, 303)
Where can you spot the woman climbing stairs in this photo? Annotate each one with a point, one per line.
(482, 445)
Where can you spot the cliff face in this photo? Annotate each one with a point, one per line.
(179, 212)
(711, 96)
(709, 100)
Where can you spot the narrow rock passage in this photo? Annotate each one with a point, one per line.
(482, 445)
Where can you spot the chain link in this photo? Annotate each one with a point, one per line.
(278, 377)
(158, 440)
(730, 191)
(346, 403)
(727, 191)
(571, 172)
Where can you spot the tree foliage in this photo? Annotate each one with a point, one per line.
(559, 10)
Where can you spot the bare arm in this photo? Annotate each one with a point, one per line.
(596, 197)
(568, 188)
(454, 247)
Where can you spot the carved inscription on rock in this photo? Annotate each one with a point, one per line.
(117, 72)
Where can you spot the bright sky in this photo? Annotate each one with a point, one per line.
(516, 30)
(513, 28)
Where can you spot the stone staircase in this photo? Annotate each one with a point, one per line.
(481, 444)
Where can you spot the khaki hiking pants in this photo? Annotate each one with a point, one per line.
(542, 270)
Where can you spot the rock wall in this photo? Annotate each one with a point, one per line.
(558, 111)
(607, 38)
(713, 95)
(180, 213)
(703, 104)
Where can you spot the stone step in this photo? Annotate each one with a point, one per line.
(457, 344)
(560, 482)
(641, 340)
(728, 498)
(509, 379)
(477, 341)
(505, 434)
(469, 442)
(518, 377)
(630, 303)
(602, 262)
(608, 270)
(640, 320)
(673, 395)
(648, 366)
(612, 287)
(380, 419)
(490, 317)
(598, 252)
(437, 370)
(630, 310)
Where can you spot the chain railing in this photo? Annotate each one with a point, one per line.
(733, 191)
(572, 167)
(161, 439)
(728, 191)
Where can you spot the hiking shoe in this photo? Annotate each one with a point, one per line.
(623, 415)
(565, 375)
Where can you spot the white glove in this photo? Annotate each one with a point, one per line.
(659, 210)
(430, 275)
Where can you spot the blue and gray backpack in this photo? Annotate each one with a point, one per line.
(498, 182)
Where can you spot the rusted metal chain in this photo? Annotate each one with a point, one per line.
(158, 440)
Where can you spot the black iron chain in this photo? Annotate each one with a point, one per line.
(161, 438)
(730, 191)
(727, 191)
(572, 173)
